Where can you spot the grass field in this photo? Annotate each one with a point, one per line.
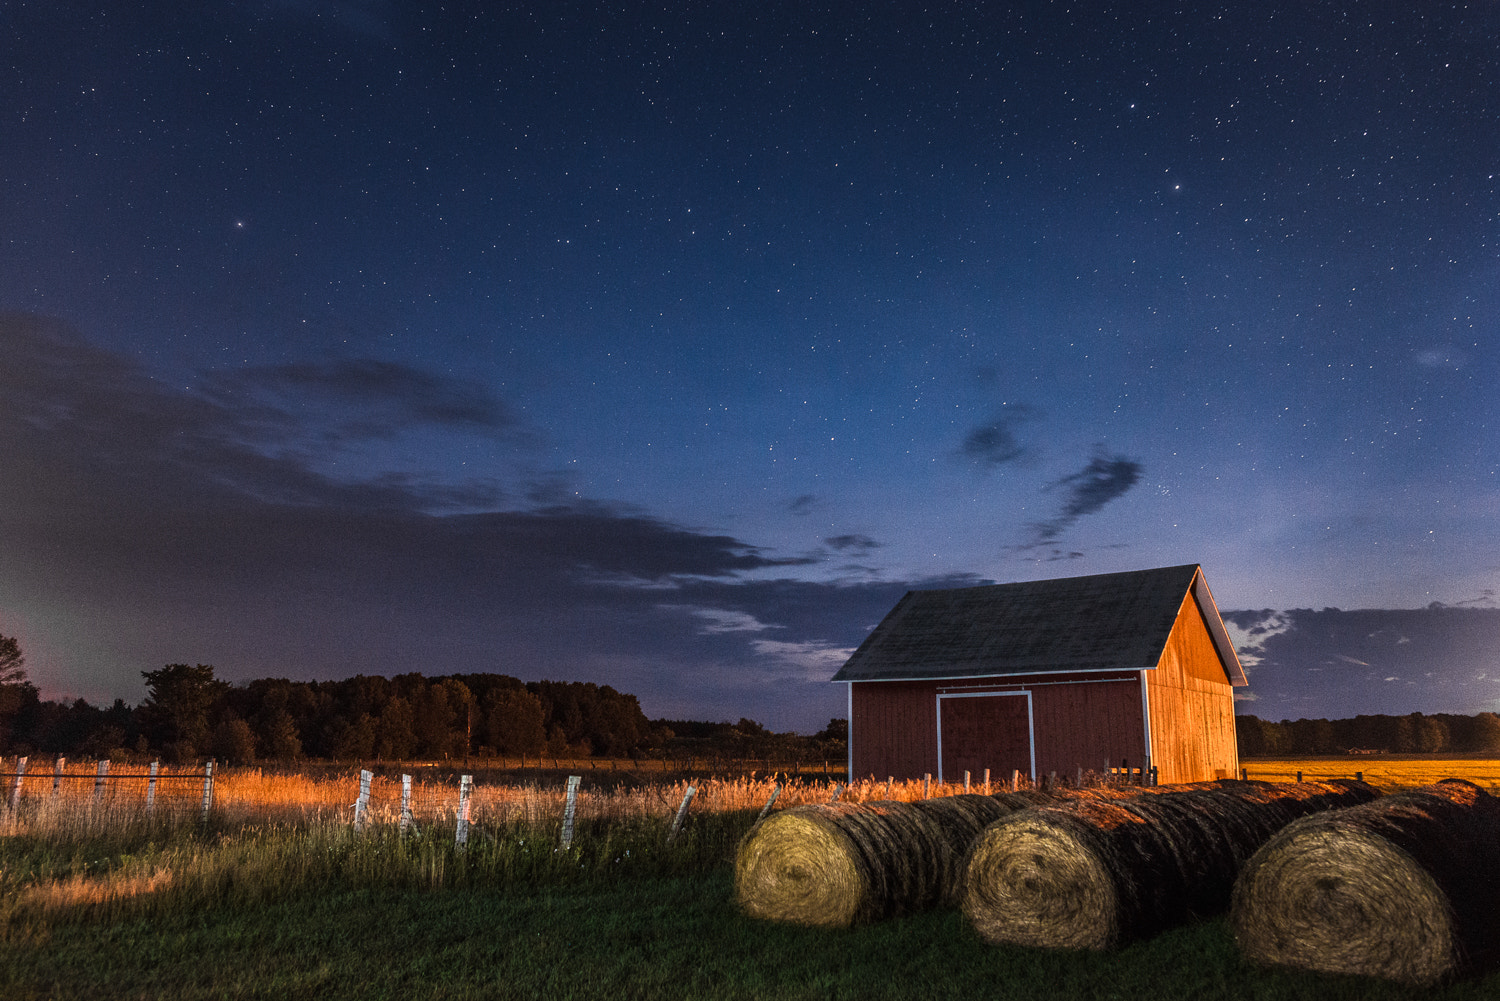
(1387, 771)
(105, 902)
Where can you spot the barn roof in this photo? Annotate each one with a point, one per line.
(1102, 622)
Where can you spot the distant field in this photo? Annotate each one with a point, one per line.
(1384, 770)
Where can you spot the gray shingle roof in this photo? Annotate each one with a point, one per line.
(1095, 623)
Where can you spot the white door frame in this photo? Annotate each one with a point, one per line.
(1030, 723)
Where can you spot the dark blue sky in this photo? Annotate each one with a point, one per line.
(667, 347)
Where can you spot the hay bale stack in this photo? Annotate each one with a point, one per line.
(851, 863)
(1403, 888)
(1093, 873)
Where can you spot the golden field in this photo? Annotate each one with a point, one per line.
(1386, 771)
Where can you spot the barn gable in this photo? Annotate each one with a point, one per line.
(1047, 676)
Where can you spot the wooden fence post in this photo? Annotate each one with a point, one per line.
(927, 786)
(362, 801)
(1244, 775)
(986, 781)
(767, 808)
(407, 820)
(100, 772)
(681, 812)
(568, 809)
(1359, 776)
(966, 781)
(1299, 775)
(15, 793)
(208, 788)
(57, 768)
(465, 794)
(151, 786)
(1015, 780)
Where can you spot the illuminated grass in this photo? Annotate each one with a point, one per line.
(1385, 771)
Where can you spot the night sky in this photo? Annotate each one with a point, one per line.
(666, 346)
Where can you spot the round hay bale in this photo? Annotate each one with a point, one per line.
(843, 863)
(960, 820)
(1092, 873)
(1402, 888)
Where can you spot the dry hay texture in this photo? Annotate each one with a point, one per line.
(852, 863)
(1092, 873)
(1403, 888)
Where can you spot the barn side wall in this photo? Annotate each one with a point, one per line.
(1078, 720)
(893, 729)
(1085, 724)
(1192, 705)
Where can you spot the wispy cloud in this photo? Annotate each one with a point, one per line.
(717, 621)
(814, 660)
(851, 543)
(995, 443)
(355, 399)
(1105, 478)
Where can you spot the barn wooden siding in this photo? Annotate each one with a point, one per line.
(1078, 720)
(1191, 705)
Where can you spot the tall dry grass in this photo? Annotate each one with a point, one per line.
(73, 804)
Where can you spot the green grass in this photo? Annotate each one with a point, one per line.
(638, 938)
(313, 911)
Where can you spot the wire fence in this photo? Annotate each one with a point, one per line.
(104, 793)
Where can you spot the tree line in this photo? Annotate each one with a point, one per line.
(1410, 734)
(189, 714)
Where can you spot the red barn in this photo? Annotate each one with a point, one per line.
(1048, 675)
